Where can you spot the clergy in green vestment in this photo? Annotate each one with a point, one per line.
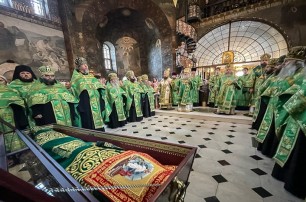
(164, 89)
(50, 102)
(185, 102)
(23, 79)
(148, 97)
(197, 83)
(243, 95)
(255, 79)
(269, 69)
(227, 86)
(12, 110)
(133, 91)
(212, 83)
(291, 152)
(93, 107)
(174, 88)
(117, 99)
(272, 70)
(275, 117)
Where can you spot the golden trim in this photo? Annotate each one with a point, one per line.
(147, 144)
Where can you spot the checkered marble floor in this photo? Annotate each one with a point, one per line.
(227, 168)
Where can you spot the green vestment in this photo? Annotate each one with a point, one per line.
(254, 80)
(59, 97)
(96, 91)
(8, 97)
(175, 91)
(114, 96)
(185, 91)
(279, 92)
(197, 83)
(243, 94)
(22, 87)
(226, 100)
(296, 108)
(133, 90)
(268, 83)
(149, 90)
(213, 91)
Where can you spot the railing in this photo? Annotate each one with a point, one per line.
(217, 7)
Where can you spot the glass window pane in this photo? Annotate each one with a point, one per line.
(38, 7)
(249, 38)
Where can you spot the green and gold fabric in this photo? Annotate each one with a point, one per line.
(175, 91)
(96, 91)
(76, 156)
(213, 91)
(133, 90)
(185, 91)
(255, 80)
(114, 96)
(149, 90)
(197, 83)
(8, 97)
(268, 83)
(243, 94)
(226, 100)
(59, 97)
(22, 87)
(296, 108)
(279, 92)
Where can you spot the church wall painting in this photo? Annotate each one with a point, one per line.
(33, 45)
(128, 56)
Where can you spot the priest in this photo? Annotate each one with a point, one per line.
(164, 88)
(133, 105)
(93, 107)
(23, 79)
(117, 99)
(148, 97)
(255, 79)
(12, 110)
(227, 86)
(50, 102)
(197, 83)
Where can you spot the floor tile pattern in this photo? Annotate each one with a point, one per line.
(227, 167)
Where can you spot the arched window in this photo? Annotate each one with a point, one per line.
(6, 3)
(109, 56)
(40, 7)
(247, 39)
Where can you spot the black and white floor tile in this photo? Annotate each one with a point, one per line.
(227, 168)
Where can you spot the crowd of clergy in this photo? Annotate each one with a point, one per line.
(274, 91)
(85, 102)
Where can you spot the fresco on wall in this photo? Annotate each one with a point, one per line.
(155, 61)
(127, 55)
(33, 45)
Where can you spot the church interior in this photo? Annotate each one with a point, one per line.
(153, 100)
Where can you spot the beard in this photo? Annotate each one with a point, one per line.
(115, 84)
(263, 64)
(26, 79)
(48, 82)
(288, 69)
(83, 72)
(132, 80)
(270, 71)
